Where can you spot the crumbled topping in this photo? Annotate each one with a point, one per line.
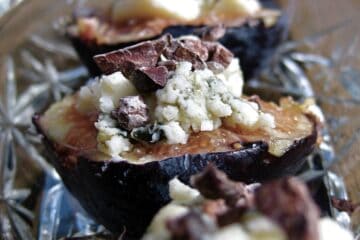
(199, 100)
(174, 133)
(111, 140)
(281, 209)
(288, 203)
(145, 64)
(214, 184)
(193, 226)
(131, 113)
(181, 193)
(188, 85)
(149, 79)
(104, 94)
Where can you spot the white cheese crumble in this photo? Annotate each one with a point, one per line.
(259, 225)
(181, 193)
(174, 133)
(111, 140)
(104, 94)
(231, 232)
(197, 100)
(232, 77)
(157, 229)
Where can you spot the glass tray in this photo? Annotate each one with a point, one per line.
(38, 66)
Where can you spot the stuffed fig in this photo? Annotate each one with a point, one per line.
(167, 108)
(250, 29)
(217, 208)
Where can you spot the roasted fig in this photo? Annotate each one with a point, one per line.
(120, 169)
(251, 31)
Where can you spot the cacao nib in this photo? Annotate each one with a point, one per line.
(214, 184)
(131, 113)
(344, 205)
(191, 226)
(288, 202)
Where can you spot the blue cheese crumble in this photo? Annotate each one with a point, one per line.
(199, 100)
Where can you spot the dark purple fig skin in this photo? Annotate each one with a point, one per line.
(252, 44)
(121, 194)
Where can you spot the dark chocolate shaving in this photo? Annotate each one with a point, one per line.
(344, 205)
(131, 113)
(191, 226)
(214, 184)
(147, 64)
(288, 202)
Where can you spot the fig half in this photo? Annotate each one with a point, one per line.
(125, 195)
(252, 39)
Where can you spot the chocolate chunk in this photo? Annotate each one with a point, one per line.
(144, 64)
(149, 79)
(196, 46)
(191, 226)
(131, 113)
(145, 54)
(288, 202)
(344, 205)
(214, 184)
(219, 54)
(184, 54)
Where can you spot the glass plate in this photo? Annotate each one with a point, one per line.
(38, 66)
